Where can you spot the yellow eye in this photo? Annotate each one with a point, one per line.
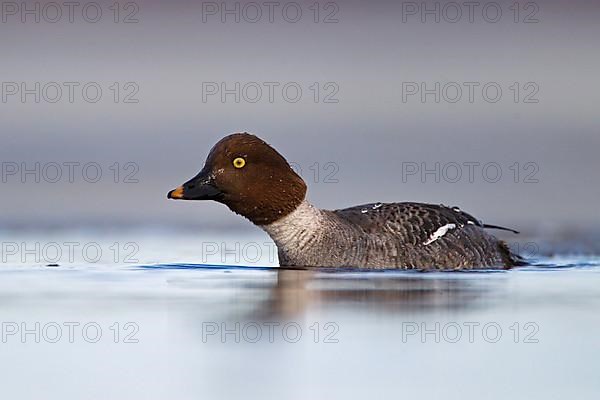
(239, 162)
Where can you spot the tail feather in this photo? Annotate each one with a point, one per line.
(509, 258)
(488, 226)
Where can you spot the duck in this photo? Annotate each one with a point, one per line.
(255, 181)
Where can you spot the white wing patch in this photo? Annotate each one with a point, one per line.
(439, 233)
(374, 207)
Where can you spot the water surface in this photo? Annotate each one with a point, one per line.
(173, 323)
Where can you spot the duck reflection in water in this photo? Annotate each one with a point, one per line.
(297, 291)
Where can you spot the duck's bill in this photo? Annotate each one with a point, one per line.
(176, 194)
(200, 187)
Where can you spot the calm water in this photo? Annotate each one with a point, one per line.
(152, 316)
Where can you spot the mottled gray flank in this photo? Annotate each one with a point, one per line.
(394, 235)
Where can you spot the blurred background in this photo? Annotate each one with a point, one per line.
(105, 106)
(363, 97)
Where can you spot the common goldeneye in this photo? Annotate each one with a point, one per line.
(254, 180)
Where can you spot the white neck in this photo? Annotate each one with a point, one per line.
(297, 228)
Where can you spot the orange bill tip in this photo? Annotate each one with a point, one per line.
(176, 193)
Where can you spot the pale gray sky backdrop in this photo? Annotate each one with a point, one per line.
(370, 133)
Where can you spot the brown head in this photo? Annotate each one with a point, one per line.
(249, 176)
